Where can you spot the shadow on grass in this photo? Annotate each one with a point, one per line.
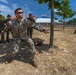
(23, 55)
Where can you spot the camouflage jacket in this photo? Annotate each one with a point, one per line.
(19, 29)
(2, 26)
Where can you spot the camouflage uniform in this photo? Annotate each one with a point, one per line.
(31, 21)
(19, 33)
(8, 31)
(1, 28)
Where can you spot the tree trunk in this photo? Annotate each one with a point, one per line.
(52, 24)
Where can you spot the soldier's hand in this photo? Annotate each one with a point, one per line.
(2, 31)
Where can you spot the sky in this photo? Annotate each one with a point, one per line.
(28, 6)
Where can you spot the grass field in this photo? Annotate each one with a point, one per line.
(52, 61)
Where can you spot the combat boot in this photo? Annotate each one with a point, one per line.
(34, 63)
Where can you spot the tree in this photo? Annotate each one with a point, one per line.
(50, 5)
(56, 3)
(70, 22)
(74, 20)
(65, 11)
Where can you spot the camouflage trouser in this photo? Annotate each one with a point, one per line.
(2, 36)
(28, 42)
(7, 35)
(30, 31)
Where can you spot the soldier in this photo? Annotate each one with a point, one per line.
(18, 27)
(5, 22)
(30, 27)
(1, 28)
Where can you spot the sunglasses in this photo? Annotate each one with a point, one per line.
(19, 13)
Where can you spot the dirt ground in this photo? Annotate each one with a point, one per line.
(51, 61)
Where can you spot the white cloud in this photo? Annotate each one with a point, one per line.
(27, 10)
(5, 10)
(55, 10)
(15, 6)
(5, 1)
(26, 5)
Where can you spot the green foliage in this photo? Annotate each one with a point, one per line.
(3, 18)
(60, 20)
(42, 1)
(72, 21)
(65, 10)
(56, 2)
(63, 6)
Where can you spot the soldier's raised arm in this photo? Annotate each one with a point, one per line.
(39, 28)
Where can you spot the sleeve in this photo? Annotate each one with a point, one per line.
(39, 28)
(8, 25)
(2, 26)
